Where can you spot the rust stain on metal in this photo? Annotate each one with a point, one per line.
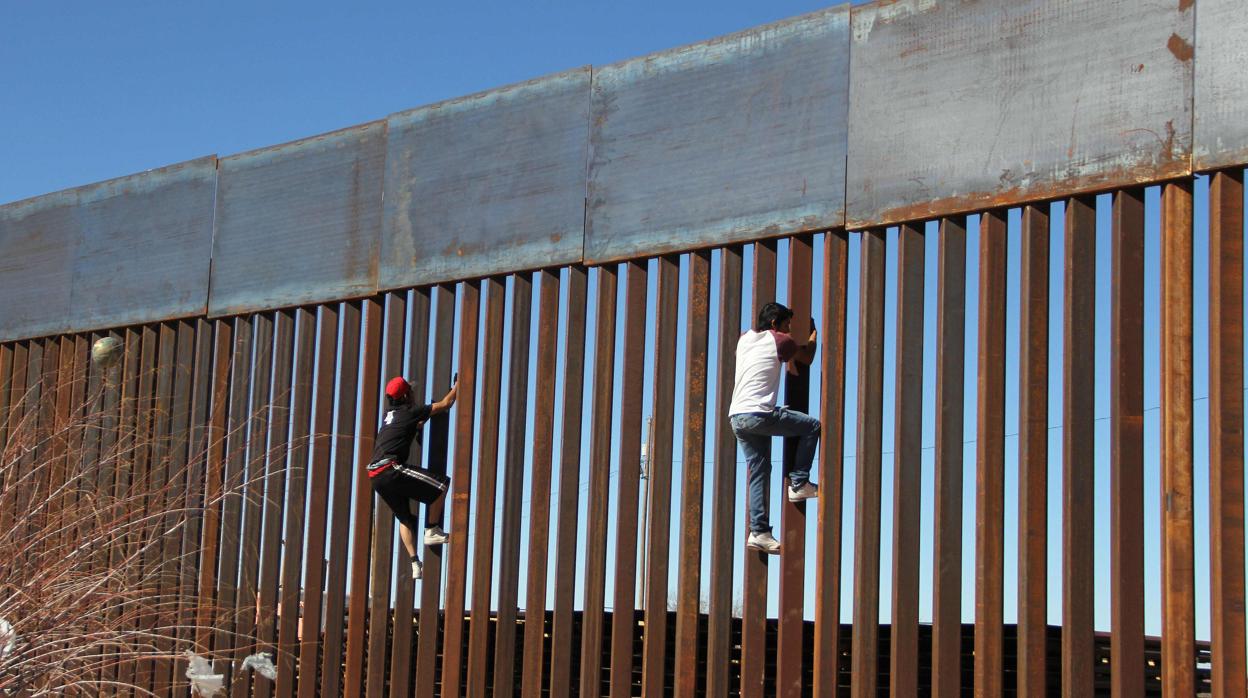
(1181, 48)
(689, 582)
(1185, 5)
(1127, 446)
(442, 300)
(1033, 451)
(1178, 609)
(542, 451)
(507, 571)
(656, 535)
(912, 50)
(494, 290)
(1093, 139)
(1078, 503)
(457, 554)
(1143, 173)
(629, 478)
(947, 535)
(907, 480)
(569, 472)
(990, 457)
(595, 559)
(793, 514)
(719, 648)
(1226, 417)
(754, 589)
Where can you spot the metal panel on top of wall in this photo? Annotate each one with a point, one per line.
(299, 223)
(958, 105)
(120, 252)
(1221, 131)
(728, 140)
(36, 264)
(486, 184)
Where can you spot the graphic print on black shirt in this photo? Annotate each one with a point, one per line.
(400, 432)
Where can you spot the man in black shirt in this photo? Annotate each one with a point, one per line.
(397, 483)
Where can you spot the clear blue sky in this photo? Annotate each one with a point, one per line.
(94, 91)
(97, 90)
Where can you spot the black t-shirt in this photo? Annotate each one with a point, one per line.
(400, 432)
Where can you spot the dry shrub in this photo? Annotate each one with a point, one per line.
(105, 504)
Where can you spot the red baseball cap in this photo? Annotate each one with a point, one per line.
(398, 388)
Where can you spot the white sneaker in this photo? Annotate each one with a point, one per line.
(807, 490)
(417, 569)
(763, 542)
(434, 535)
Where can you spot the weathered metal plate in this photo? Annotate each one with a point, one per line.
(36, 265)
(487, 184)
(1221, 131)
(299, 223)
(125, 251)
(145, 247)
(963, 105)
(723, 141)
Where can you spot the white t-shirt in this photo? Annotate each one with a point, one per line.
(760, 360)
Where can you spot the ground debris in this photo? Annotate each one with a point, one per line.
(203, 681)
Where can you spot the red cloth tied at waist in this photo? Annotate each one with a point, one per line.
(379, 467)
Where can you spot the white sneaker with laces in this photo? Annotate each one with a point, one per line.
(434, 535)
(763, 542)
(807, 490)
(417, 569)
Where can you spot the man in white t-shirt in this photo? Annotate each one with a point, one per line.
(761, 355)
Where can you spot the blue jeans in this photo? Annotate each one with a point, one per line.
(754, 430)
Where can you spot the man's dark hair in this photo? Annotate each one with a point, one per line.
(395, 402)
(771, 315)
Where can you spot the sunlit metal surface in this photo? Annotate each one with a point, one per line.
(959, 105)
(735, 138)
(127, 250)
(299, 222)
(487, 183)
(1221, 119)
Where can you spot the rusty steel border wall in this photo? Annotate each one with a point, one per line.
(846, 118)
(279, 287)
